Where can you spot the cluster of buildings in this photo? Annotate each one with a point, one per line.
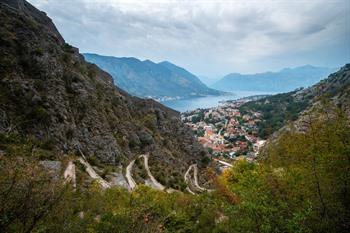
(225, 131)
(164, 98)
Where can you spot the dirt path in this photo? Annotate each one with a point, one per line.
(187, 172)
(194, 181)
(69, 174)
(190, 191)
(92, 173)
(128, 176)
(223, 163)
(156, 184)
(187, 179)
(195, 175)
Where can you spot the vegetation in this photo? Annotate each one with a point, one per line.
(276, 111)
(150, 121)
(301, 185)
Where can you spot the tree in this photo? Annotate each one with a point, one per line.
(27, 194)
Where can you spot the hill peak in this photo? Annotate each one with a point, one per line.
(149, 79)
(165, 63)
(36, 15)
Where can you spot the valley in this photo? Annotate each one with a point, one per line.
(225, 131)
(85, 147)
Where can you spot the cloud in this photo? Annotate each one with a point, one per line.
(208, 37)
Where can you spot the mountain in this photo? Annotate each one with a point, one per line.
(208, 80)
(67, 134)
(278, 110)
(54, 105)
(285, 80)
(149, 79)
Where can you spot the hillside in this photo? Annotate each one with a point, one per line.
(55, 105)
(149, 79)
(78, 154)
(285, 80)
(278, 109)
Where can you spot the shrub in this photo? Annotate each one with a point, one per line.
(150, 121)
(40, 115)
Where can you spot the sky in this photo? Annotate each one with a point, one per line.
(207, 37)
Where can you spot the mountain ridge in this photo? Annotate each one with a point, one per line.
(294, 106)
(284, 80)
(54, 100)
(149, 79)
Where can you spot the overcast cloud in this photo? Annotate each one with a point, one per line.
(209, 37)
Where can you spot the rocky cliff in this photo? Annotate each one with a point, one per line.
(49, 93)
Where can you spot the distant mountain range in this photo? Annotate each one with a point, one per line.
(297, 105)
(209, 80)
(285, 80)
(150, 79)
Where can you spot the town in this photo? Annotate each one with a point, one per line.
(227, 133)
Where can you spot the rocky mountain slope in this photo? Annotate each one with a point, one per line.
(326, 96)
(277, 110)
(285, 80)
(59, 104)
(149, 79)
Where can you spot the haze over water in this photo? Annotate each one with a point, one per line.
(184, 105)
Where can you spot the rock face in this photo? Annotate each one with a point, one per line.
(325, 95)
(336, 88)
(49, 92)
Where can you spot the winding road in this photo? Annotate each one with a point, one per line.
(187, 178)
(195, 174)
(223, 163)
(69, 174)
(190, 191)
(187, 172)
(128, 176)
(92, 173)
(156, 184)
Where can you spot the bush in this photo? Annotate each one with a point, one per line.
(205, 160)
(27, 196)
(40, 115)
(150, 121)
(93, 160)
